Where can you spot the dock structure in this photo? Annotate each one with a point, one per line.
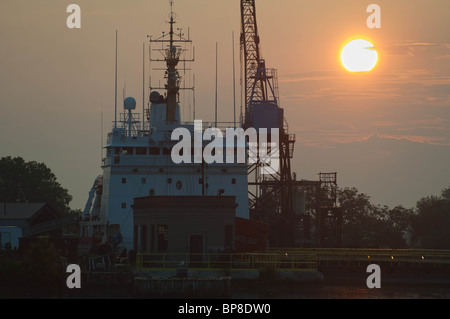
(282, 262)
(183, 287)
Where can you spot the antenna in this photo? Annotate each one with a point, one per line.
(124, 89)
(193, 93)
(101, 131)
(115, 90)
(216, 91)
(143, 87)
(234, 86)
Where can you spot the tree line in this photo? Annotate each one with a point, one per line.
(367, 225)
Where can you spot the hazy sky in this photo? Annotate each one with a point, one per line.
(55, 81)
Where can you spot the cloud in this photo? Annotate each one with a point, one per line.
(409, 48)
(412, 138)
(442, 57)
(434, 130)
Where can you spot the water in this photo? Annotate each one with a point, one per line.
(344, 292)
(241, 290)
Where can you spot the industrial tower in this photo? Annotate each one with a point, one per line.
(277, 198)
(271, 198)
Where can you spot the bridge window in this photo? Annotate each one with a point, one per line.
(141, 151)
(154, 150)
(127, 151)
(117, 155)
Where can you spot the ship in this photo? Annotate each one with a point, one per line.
(273, 208)
(139, 159)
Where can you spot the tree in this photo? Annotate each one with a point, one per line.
(431, 223)
(356, 211)
(368, 225)
(27, 182)
(41, 263)
(446, 193)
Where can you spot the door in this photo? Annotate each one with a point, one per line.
(196, 250)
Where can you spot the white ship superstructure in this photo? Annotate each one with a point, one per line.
(139, 162)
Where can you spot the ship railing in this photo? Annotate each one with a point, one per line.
(147, 130)
(220, 125)
(224, 261)
(137, 131)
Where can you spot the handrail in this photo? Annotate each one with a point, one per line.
(325, 256)
(211, 261)
(295, 259)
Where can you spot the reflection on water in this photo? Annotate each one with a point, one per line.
(252, 290)
(343, 292)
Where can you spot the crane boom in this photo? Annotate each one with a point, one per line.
(250, 49)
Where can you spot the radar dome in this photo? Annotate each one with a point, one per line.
(129, 103)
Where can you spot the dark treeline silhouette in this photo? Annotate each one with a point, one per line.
(373, 226)
(31, 182)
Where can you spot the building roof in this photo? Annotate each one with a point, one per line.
(168, 201)
(20, 210)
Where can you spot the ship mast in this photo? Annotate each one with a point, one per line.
(171, 54)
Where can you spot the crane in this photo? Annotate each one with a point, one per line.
(274, 197)
(271, 195)
(250, 49)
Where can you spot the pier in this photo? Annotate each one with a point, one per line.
(304, 266)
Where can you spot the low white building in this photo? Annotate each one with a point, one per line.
(19, 220)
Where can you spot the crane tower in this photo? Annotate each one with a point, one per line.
(271, 195)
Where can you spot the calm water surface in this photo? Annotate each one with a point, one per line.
(346, 292)
(299, 292)
(258, 291)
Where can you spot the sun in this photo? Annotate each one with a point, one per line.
(359, 56)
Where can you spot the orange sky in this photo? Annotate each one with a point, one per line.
(55, 81)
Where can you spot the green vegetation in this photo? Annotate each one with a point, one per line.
(28, 182)
(369, 226)
(41, 262)
(35, 272)
(431, 222)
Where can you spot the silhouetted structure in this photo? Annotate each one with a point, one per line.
(28, 220)
(184, 224)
